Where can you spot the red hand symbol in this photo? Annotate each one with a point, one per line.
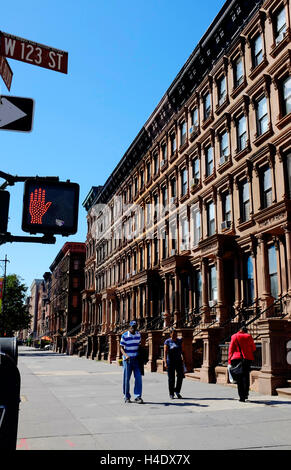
(37, 206)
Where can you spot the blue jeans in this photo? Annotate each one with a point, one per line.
(128, 367)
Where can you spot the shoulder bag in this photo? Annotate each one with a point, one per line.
(238, 369)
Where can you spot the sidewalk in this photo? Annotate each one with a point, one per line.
(74, 403)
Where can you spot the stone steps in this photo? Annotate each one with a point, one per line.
(285, 391)
(195, 375)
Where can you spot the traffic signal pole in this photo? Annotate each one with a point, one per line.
(46, 239)
(35, 207)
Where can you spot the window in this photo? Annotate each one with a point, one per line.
(221, 86)
(156, 163)
(195, 170)
(198, 289)
(224, 150)
(141, 179)
(135, 186)
(148, 171)
(149, 260)
(244, 201)
(238, 72)
(183, 133)
(165, 245)
(272, 258)
(207, 106)
(257, 50)
(141, 258)
(165, 152)
(226, 209)
(197, 226)
(129, 195)
(212, 284)
(266, 187)
(173, 188)
(194, 117)
(156, 202)
(286, 96)
(184, 183)
(280, 26)
(209, 161)
(173, 143)
(148, 206)
(76, 264)
(75, 301)
(241, 133)
(185, 234)
(156, 251)
(210, 219)
(262, 116)
(248, 280)
(173, 238)
(164, 196)
(75, 282)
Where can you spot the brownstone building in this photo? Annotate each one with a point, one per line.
(44, 307)
(192, 228)
(67, 282)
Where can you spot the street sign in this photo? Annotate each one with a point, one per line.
(33, 53)
(6, 72)
(16, 114)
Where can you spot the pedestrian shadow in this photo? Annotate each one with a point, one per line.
(41, 354)
(269, 402)
(172, 403)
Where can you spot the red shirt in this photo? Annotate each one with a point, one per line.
(246, 344)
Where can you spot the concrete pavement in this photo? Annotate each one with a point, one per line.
(74, 403)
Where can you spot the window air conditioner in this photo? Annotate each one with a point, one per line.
(223, 159)
(280, 37)
(194, 181)
(225, 224)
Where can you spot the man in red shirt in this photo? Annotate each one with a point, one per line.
(242, 345)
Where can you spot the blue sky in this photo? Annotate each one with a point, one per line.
(123, 55)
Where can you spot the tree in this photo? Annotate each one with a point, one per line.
(14, 314)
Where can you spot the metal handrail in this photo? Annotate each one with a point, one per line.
(256, 317)
(74, 329)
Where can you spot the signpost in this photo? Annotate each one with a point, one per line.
(16, 114)
(6, 72)
(33, 53)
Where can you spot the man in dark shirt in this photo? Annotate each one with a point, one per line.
(174, 362)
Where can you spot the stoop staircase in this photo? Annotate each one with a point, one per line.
(286, 391)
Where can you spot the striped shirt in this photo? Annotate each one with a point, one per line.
(130, 343)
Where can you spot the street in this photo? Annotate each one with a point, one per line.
(72, 403)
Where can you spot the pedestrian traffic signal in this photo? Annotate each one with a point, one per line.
(50, 207)
(4, 209)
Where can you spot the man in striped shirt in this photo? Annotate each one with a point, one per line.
(129, 345)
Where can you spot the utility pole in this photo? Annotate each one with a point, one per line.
(5, 261)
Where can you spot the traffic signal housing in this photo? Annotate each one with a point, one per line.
(50, 207)
(4, 209)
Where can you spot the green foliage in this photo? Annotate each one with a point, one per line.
(14, 315)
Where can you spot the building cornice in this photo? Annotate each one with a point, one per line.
(218, 39)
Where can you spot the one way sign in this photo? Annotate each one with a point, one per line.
(16, 114)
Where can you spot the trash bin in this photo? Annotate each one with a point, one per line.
(9, 346)
(9, 394)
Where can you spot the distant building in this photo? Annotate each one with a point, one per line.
(44, 306)
(33, 307)
(67, 282)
